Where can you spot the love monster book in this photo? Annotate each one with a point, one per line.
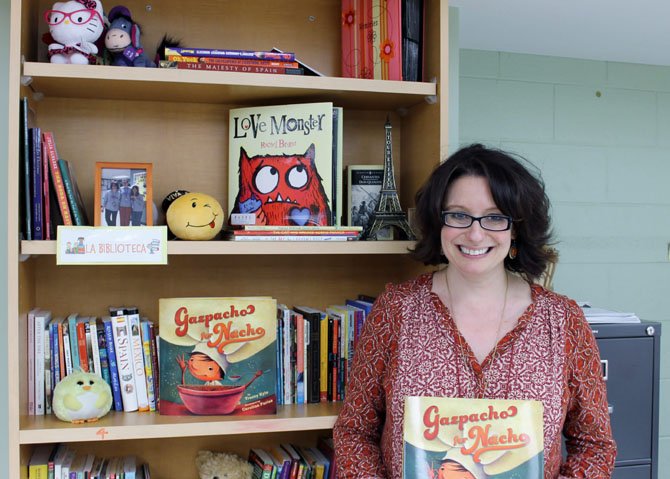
(218, 356)
(472, 438)
(282, 167)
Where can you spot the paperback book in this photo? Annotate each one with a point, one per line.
(282, 166)
(484, 437)
(218, 356)
(364, 184)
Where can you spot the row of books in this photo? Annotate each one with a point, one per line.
(59, 461)
(290, 461)
(49, 192)
(242, 61)
(314, 350)
(121, 348)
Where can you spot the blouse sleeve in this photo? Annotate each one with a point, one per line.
(358, 428)
(591, 448)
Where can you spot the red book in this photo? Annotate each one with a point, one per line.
(81, 344)
(237, 68)
(56, 178)
(46, 205)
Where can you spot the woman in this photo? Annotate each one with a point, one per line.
(479, 328)
(137, 205)
(110, 204)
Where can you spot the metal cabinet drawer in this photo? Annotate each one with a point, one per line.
(632, 472)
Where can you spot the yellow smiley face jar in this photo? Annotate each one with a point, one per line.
(195, 217)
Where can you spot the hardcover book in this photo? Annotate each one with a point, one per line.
(281, 164)
(218, 356)
(371, 39)
(364, 183)
(483, 437)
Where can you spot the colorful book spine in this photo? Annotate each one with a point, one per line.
(57, 179)
(95, 349)
(67, 353)
(300, 363)
(104, 355)
(74, 342)
(70, 193)
(154, 363)
(48, 371)
(36, 183)
(113, 368)
(82, 349)
(251, 54)
(145, 330)
(137, 358)
(236, 68)
(232, 61)
(55, 352)
(25, 170)
(124, 362)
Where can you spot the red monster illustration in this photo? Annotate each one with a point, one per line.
(282, 190)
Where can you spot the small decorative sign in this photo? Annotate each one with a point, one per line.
(86, 245)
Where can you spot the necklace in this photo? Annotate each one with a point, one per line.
(461, 347)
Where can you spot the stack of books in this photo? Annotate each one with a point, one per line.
(292, 233)
(242, 61)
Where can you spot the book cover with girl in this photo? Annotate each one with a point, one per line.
(448, 438)
(218, 356)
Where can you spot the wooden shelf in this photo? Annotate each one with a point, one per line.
(119, 426)
(255, 248)
(157, 84)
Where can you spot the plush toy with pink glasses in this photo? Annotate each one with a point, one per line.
(74, 27)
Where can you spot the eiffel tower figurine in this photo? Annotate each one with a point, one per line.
(388, 212)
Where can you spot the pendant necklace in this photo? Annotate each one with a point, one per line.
(461, 347)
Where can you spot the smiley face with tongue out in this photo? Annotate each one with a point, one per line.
(195, 217)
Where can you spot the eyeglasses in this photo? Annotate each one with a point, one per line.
(78, 17)
(487, 222)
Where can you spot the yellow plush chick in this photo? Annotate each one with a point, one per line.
(82, 397)
(195, 216)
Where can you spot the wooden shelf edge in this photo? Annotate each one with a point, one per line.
(133, 426)
(255, 248)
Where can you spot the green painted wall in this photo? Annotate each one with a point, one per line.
(4, 85)
(600, 132)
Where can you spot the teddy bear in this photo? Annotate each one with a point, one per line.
(220, 465)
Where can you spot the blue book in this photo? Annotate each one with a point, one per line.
(36, 182)
(74, 345)
(364, 305)
(55, 357)
(113, 370)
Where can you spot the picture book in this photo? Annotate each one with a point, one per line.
(217, 356)
(364, 184)
(281, 164)
(489, 438)
(372, 39)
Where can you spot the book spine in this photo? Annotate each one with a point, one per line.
(250, 54)
(154, 363)
(39, 364)
(55, 353)
(238, 68)
(95, 348)
(66, 348)
(46, 193)
(57, 179)
(315, 357)
(280, 232)
(81, 346)
(31, 363)
(113, 368)
(137, 359)
(148, 363)
(48, 371)
(61, 349)
(25, 169)
(69, 192)
(74, 342)
(232, 61)
(104, 355)
(36, 183)
(124, 363)
(288, 237)
(300, 360)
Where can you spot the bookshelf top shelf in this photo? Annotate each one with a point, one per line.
(255, 247)
(157, 84)
(123, 426)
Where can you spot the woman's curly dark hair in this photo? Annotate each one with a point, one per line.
(516, 191)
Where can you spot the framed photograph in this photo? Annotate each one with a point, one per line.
(123, 193)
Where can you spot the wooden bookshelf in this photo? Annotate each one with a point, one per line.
(178, 120)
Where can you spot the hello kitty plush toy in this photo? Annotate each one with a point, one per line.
(75, 26)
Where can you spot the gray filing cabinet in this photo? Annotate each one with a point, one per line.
(630, 358)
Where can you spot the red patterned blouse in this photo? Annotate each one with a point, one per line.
(409, 346)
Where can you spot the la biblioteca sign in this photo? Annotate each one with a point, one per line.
(87, 245)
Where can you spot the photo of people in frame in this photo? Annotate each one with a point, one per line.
(123, 191)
